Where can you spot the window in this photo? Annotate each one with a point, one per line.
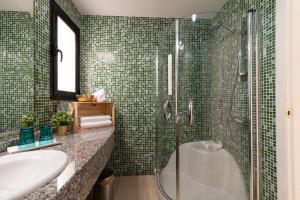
(64, 54)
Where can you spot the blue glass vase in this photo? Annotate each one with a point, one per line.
(26, 138)
(46, 135)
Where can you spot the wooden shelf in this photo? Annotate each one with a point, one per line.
(84, 109)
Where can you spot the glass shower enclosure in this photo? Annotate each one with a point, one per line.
(207, 109)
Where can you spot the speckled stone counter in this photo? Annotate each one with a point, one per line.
(8, 138)
(88, 153)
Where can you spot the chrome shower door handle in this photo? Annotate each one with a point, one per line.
(190, 112)
(167, 110)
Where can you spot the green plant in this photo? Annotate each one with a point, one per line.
(61, 119)
(27, 121)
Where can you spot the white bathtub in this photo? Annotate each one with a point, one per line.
(204, 175)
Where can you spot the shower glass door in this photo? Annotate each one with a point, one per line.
(194, 107)
(206, 109)
(217, 148)
(164, 112)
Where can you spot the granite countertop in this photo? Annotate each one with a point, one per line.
(8, 138)
(88, 153)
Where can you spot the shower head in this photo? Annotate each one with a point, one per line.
(217, 25)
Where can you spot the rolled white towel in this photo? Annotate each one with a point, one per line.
(100, 95)
(95, 124)
(208, 145)
(95, 118)
(213, 146)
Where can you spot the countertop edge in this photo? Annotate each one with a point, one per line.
(85, 176)
(81, 183)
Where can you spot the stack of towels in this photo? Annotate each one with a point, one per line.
(95, 121)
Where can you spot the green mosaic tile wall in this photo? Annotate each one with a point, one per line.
(16, 68)
(44, 107)
(234, 136)
(165, 142)
(118, 54)
(224, 128)
(195, 78)
(194, 83)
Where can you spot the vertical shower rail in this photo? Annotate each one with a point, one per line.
(177, 128)
(257, 57)
(254, 174)
(157, 170)
(177, 122)
(250, 105)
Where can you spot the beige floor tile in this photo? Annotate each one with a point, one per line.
(150, 195)
(149, 188)
(136, 188)
(129, 195)
(148, 182)
(116, 184)
(130, 182)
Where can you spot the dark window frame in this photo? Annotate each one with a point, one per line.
(55, 94)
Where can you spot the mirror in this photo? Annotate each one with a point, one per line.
(16, 63)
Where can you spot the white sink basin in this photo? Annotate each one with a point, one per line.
(23, 173)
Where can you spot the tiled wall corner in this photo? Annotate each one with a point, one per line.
(224, 61)
(118, 55)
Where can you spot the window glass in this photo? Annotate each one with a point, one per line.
(66, 59)
(64, 54)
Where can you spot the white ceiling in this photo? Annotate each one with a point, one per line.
(16, 5)
(149, 8)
